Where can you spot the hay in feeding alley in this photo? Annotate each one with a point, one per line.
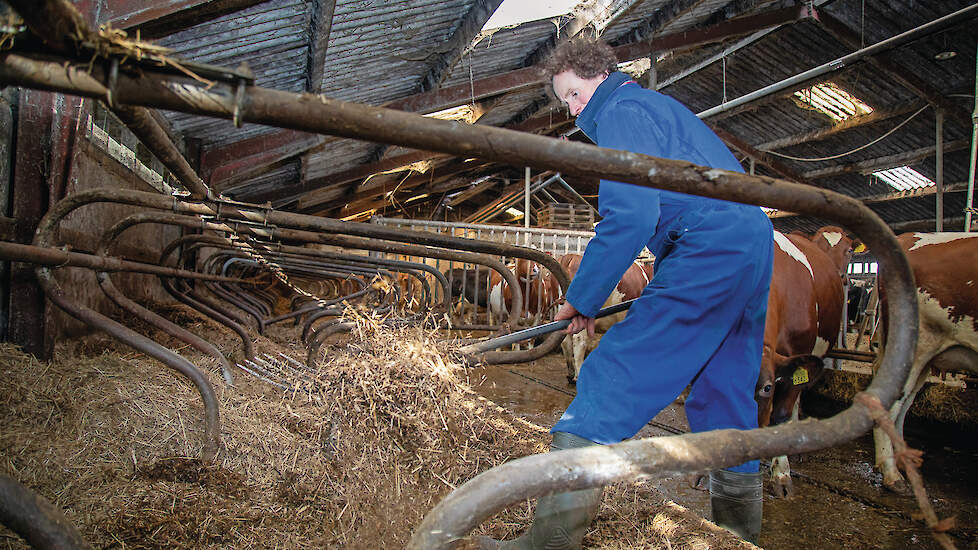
(381, 432)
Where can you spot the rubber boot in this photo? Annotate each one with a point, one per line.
(737, 502)
(561, 519)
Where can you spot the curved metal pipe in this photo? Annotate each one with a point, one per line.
(322, 334)
(150, 317)
(212, 421)
(34, 518)
(170, 286)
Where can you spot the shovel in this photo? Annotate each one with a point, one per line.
(540, 330)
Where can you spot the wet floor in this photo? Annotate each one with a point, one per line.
(838, 501)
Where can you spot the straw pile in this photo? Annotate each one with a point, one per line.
(352, 458)
(939, 402)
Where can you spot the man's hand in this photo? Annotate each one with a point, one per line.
(578, 322)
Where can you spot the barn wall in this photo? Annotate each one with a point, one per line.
(91, 167)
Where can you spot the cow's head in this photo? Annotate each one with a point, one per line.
(792, 377)
(839, 246)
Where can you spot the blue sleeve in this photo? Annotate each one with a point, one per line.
(630, 212)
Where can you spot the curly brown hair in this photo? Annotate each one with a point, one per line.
(587, 57)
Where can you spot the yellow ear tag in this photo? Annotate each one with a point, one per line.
(800, 376)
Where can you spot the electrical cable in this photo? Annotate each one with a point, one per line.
(857, 149)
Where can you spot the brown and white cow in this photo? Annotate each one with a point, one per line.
(803, 319)
(945, 268)
(540, 291)
(577, 346)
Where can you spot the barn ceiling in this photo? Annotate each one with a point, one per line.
(426, 55)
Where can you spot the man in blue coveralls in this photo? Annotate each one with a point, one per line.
(701, 318)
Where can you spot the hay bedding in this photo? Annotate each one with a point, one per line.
(354, 459)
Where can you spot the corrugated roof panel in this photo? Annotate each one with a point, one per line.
(377, 55)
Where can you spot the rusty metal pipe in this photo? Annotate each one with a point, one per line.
(63, 28)
(150, 317)
(222, 294)
(212, 422)
(57, 257)
(41, 524)
(320, 337)
(170, 286)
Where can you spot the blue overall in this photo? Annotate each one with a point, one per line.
(701, 318)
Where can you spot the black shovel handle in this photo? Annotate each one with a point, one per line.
(540, 330)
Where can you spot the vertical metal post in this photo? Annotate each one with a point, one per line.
(939, 213)
(969, 204)
(753, 161)
(526, 199)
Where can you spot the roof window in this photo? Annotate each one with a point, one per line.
(904, 178)
(834, 102)
(512, 13)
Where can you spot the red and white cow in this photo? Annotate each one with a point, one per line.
(803, 319)
(945, 268)
(576, 346)
(540, 291)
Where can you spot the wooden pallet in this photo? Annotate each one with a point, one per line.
(566, 216)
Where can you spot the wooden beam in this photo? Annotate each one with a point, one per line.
(887, 162)
(959, 187)
(878, 115)
(365, 200)
(157, 19)
(472, 192)
(214, 158)
(320, 26)
(329, 188)
(758, 156)
(247, 167)
(332, 187)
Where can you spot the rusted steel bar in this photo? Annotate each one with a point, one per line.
(210, 301)
(41, 524)
(222, 293)
(165, 325)
(327, 231)
(322, 334)
(150, 317)
(212, 422)
(170, 286)
(155, 138)
(61, 27)
(57, 257)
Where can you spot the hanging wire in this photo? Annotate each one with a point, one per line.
(471, 80)
(857, 149)
(723, 63)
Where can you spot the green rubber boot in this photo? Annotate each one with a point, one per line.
(737, 502)
(561, 519)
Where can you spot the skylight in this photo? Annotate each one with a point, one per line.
(904, 178)
(833, 101)
(515, 12)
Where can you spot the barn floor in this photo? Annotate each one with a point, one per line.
(839, 501)
(110, 438)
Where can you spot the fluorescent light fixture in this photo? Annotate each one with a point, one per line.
(904, 178)
(417, 197)
(829, 99)
(516, 12)
(514, 212)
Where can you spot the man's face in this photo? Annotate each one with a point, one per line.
(575, 91)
